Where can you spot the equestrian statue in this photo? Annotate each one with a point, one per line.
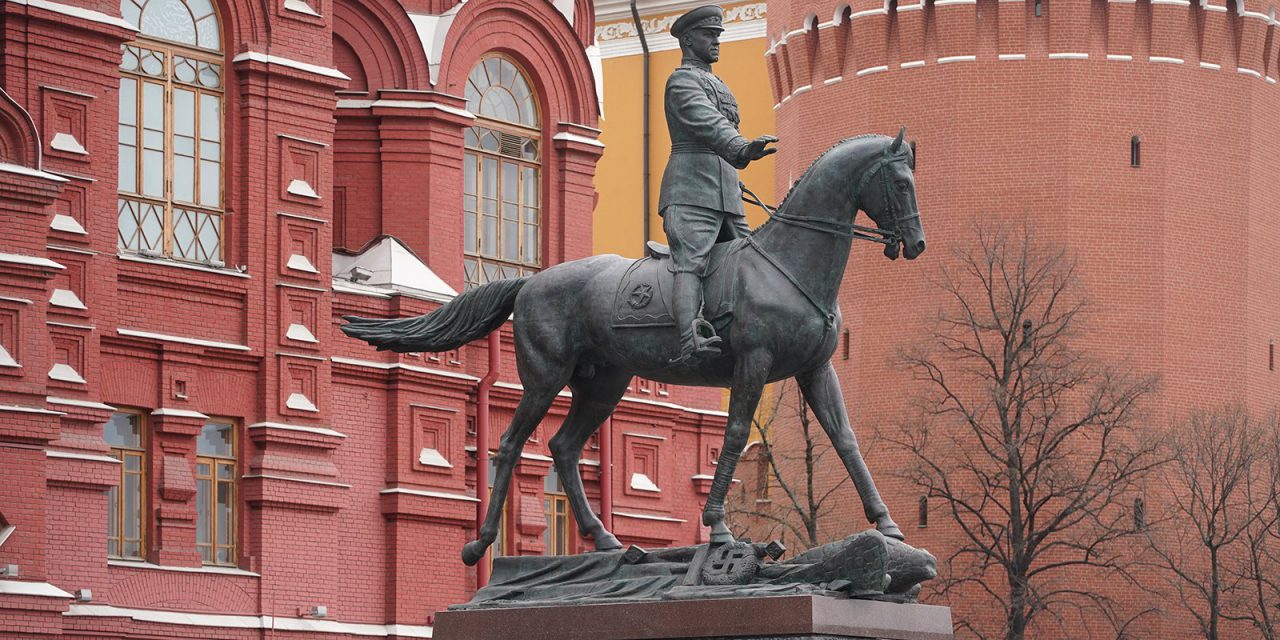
(761, 306)
(779, 287)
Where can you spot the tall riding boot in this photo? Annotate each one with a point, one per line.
(687, 303)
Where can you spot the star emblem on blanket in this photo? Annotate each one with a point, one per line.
(640, 296)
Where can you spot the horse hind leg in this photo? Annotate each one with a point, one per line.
(538, 396)
(594, 398)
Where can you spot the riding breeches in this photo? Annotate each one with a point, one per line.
(692, 231)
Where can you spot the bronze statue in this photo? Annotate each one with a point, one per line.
(594, 323)
(701, 202)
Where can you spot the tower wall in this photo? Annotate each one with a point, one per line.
(1025, 118)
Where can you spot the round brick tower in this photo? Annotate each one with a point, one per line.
(1141, 135)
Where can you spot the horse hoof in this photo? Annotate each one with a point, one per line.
(890, 529)
(472, 552)
(607, 542)
(720, 534)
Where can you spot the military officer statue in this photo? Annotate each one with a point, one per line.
(701, 199)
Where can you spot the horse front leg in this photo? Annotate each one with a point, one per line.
(749, 376)
(821, 389)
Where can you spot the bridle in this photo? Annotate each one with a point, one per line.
(893, 235)
(889, 237)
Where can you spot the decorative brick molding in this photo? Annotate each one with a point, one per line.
(66, 123)
(300, 238)
(814, 55)
(292, 467)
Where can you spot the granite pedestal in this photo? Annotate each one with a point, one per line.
(799, 617)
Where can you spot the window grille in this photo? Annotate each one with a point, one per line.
(170, 132)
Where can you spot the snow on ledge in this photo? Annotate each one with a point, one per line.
(393, 266)
(641, 482)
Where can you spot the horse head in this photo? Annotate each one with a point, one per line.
(871, 173)
(886, 191)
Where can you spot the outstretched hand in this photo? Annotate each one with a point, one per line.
(760, 148)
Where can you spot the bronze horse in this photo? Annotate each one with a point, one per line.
(786, 324)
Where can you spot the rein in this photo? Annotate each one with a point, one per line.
(804, 291)
(845, 229)
(833, 227)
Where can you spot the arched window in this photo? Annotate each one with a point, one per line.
(501, 175)
(170, 134)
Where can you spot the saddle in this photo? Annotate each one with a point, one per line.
(643, 297)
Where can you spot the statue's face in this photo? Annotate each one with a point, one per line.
(703, 43)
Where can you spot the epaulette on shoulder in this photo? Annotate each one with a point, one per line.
(682, 75)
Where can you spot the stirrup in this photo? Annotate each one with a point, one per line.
(702, 341)
(704, 335)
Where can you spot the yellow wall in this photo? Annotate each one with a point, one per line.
(619, 177)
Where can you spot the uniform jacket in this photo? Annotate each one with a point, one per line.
(702, 117)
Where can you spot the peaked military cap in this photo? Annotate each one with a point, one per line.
(705, 17)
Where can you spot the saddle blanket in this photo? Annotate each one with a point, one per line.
(643, 297)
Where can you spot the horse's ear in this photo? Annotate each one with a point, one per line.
(897, 142)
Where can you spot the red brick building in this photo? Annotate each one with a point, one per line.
(192, 193)
(1141, 135)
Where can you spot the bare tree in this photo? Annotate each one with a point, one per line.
(1031, 446)
(1217, 545)
(789, 498)
(1261, 569)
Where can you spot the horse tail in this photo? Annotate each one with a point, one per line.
(473, 314)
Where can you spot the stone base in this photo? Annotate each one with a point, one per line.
(803, 617)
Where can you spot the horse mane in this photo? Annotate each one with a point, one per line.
(817, 161)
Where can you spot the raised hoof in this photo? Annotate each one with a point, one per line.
(607, 542)
(720, 533)
(472, 552)
(890, 529)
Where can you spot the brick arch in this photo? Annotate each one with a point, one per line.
(19, 139)
(181, 591)
(538, 38)
(244, 25)
(348, 61)
(384, 42)
(584, 22)
(841, 14)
